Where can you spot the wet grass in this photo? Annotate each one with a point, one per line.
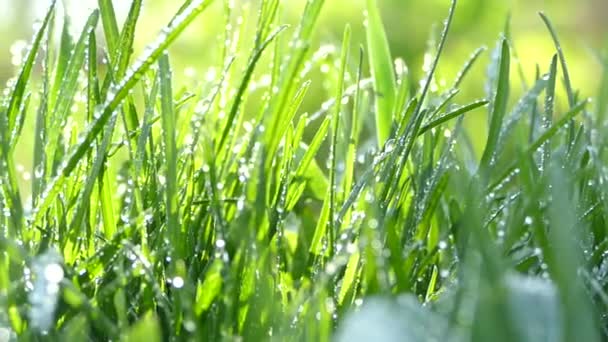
(163, 212)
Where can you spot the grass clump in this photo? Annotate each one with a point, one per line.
(163, 212)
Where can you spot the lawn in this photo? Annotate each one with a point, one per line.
(222, 207)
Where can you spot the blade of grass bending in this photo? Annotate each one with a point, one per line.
(170, 152)
(567, 83)
(499, 108)
(451, 115)
(445, 99)
(243, 87)
(381, 65)
(467, 67)
(562, 59)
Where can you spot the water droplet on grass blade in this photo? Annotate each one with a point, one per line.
(177, 282)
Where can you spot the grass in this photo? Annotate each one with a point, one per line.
(163, 212)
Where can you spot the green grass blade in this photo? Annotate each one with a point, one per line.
(333, 187)
(355, 132)
(69, 86)
(277, 132)
(562, 59)
(170, 152)
(381, 65)
(547, 118)
(602, 98)
(18, 93)
(467, 67)
(110, 25)
(499, 108)
(243, 87)
(40, 131)
(127, 37)
(451, 115)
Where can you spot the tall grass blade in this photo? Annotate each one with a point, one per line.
(381, 65)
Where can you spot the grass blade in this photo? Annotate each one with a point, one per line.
(170, 152)
(499, 109)
(562, 59)
(381, 65)
(243, 87)
(451, 115)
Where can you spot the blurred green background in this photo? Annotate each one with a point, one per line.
(580, 24)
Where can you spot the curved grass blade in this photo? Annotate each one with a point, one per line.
(499, 108)
(381, 65)
(467, 67)
(451, 115)
(562, 59)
